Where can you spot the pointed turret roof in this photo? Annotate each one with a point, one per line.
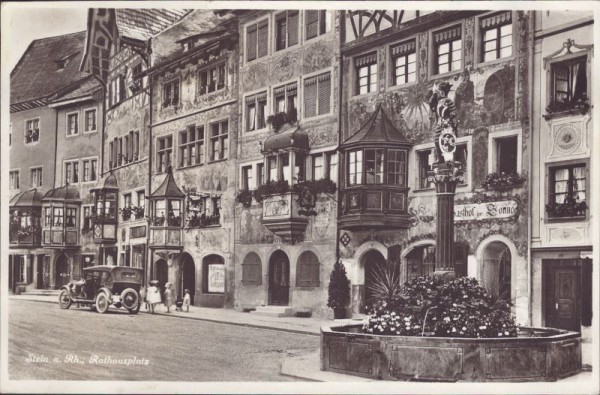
(109, 181)
(168, 188)
(377, 129)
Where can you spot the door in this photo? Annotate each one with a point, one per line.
(373, 262)
(279, 279)
(188, 279)
(62, 271)
(563, 287)
(40, 272)
(162, 275)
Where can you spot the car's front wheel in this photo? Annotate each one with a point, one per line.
(64, 299)
(102, 303)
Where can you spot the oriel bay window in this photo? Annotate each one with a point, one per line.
(374, 193)
(447, 50)
(255, 111)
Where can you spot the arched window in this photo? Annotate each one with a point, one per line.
(213, 274)
(252, 269)
(307, 270)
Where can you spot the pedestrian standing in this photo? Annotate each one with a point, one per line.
(168, 296)
(153, 296)
(186, 300)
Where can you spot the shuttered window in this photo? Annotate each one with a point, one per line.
(252, 269)
(316, 23)
(263, 38)
(308, 270)
(286, 30)
(317, 95)
(251, 34)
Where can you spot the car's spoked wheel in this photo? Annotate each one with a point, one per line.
(101, 303)
(64, 299)
(130, 300)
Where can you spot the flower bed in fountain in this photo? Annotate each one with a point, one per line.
(446, 331)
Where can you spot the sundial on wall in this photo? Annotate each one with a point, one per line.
(567, 139)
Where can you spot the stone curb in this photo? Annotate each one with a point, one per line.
(222, 321)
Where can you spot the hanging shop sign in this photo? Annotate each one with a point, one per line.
(487, 210)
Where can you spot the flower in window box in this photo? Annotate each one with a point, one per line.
(502, 181)
(158, 221)
(572, 207)
(138, 211)
(125, 213)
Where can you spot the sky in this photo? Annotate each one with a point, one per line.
(29, 21)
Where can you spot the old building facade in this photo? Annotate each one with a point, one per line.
(58, 107)
(285, 248)
(561, 190)
(194, 133)
(386, 142)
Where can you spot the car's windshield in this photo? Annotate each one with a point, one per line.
(90, 275)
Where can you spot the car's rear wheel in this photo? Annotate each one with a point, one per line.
(102, 303)
(130, 300)
(64, 299)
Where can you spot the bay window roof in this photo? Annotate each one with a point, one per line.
(31, 198)
(108, 182)
(67, 193)
(377, 130)
(168, 188)
(289, 137)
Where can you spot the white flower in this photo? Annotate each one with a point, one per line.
(453, 329)
(464, 328)
(506, 333)
(482, 327)
(499, 334)
(446, 319)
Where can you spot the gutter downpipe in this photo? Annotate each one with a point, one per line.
(342, 22)
(147, 266)
(531, 27)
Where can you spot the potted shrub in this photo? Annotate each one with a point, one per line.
(338, 291)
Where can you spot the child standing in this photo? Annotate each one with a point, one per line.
(153, 295)
(168, 296)
(186, 300)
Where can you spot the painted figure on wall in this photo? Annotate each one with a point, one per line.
(444, 112)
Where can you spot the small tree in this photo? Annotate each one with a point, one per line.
(339, 290)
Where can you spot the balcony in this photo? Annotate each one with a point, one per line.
(370, 206)
(281, 216)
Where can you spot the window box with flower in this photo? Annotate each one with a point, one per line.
(502, 181)
(138, 212)
(571, 208)
(125, 213)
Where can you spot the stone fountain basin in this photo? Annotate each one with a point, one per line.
(537, 354)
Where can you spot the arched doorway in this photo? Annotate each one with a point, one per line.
(62, 271)
(188, 276)
(496, 270)
(279, 279)
(161, 273)
(370, 261)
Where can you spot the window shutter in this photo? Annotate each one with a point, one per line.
(447, 35)
(263, 38)
(460, 259)
(308, 270)
(251, 43)
(30, 269)
(310, 97)
(292, 28)
(324, 93)
(121, 87)
(496, 20)
(312, 24)
(586, 292)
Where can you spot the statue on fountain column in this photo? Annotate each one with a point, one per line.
(445, 113)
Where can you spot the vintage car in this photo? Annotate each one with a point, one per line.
(102, 286)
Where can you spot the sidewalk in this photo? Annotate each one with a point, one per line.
(308, 326)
